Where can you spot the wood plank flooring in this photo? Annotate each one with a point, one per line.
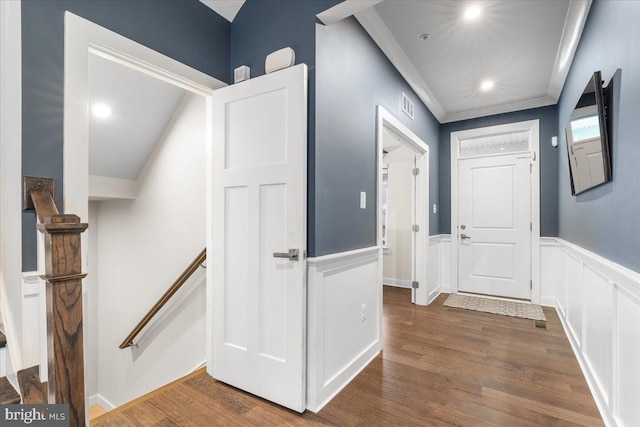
(440, 366)
(33, 390)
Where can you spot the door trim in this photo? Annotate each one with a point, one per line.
(532, 126)
(384, 118)
(80, 38)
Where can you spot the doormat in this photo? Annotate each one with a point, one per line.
(497, 306)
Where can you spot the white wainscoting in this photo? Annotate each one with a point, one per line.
(438, 274)
(344, 320)
(598, 302)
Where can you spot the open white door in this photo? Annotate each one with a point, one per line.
(494, 217)
(259, 235)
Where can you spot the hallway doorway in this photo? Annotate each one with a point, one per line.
(403, 199)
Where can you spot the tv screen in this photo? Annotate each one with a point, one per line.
(588, 139)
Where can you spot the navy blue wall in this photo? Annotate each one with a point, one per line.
(605, 220)
(263, 27)
(548, 117)
(353, 77)
(185, 30)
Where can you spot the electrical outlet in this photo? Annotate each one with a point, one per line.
(435, 208)
(363, 312)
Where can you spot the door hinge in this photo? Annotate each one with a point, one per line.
(415, 228)
(531, 284)
(530, 168)
(531, 226)
(415, 285)
(416, 171)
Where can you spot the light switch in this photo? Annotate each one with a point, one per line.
(435, 208)
(363, 200)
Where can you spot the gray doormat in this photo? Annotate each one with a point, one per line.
(496, 306)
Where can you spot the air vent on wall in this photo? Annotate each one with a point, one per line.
(407, 106)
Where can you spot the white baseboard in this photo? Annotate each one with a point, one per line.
(548, 301)
(434, 294)
(398, 283)
(317, 401)
(97, 399)
(200, 365)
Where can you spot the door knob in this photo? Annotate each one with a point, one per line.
(464, 237)
(292, 255)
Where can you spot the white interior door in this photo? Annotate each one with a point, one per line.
(494, 218)
(259, 236)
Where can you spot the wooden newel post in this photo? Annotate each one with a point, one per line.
(63, 274)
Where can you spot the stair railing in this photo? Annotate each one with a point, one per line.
(175, 287)
(63, 277)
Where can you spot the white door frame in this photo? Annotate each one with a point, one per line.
(83, 37)
(11, 292)
(386, 119)
(533, 126)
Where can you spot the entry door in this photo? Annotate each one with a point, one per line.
(259, 236)
(494, 225)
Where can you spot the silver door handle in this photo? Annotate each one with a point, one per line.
(464, 237)
(292, 255)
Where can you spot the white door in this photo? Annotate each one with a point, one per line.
(259, 216)
(494, 218)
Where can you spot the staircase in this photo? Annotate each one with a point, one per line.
(8, 394)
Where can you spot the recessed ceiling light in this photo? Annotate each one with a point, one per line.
(472, 13)
(101, 111)
(486, 85)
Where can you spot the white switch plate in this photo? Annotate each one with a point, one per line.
(363, 200)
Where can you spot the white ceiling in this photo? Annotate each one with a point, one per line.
(142, 106)
(228, 9)
(525, 46)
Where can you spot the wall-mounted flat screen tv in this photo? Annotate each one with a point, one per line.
(588, 138)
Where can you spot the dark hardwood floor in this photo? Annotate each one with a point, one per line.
(440, 366)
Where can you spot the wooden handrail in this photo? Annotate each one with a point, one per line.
(181, 280)
(63, 276)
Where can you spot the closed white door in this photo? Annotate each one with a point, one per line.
(259, 234)
(494, 220)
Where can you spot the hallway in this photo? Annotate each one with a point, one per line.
(440, 366)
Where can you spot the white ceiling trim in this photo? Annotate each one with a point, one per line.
(228, 9)
(380, 33)
(344, 10)
(573, 25)
(499, 109)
